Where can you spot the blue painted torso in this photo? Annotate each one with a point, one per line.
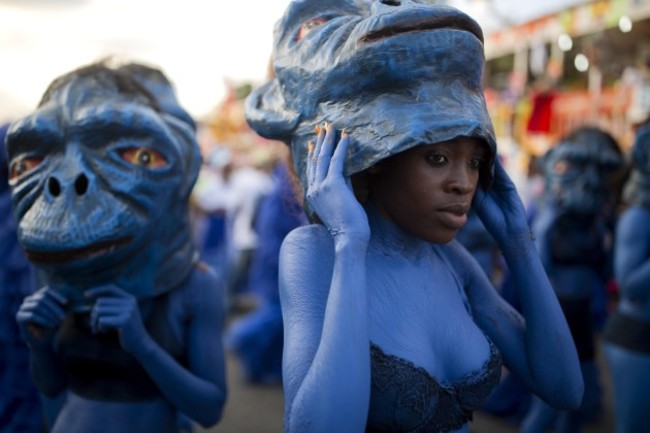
(106, 383)
(431, 362)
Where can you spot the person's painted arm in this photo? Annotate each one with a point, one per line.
(198, 391)
(39, 318)
(537, 347)
(632, 255)
(326, 363)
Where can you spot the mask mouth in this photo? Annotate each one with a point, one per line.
(455, 23)
(85, 253)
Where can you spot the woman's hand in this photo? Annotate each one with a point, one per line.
(40, 316)
(329, 192)
(503, 213)
(115, 309)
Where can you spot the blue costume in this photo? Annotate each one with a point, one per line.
(20, 407)
(390, 324)
(627, 334)
(129, 321)
(572, 231)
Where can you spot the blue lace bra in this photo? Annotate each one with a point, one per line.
(406, 398)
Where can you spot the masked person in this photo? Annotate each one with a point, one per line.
(573, 230)
(129, 321)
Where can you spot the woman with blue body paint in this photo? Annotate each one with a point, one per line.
(129, 323)
(390, 324)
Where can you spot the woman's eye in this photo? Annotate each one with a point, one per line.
(144, 157)
(476, 163)
(436, 159)
(22, 166)
(308, 26)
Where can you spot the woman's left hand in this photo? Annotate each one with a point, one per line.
(115, 309)
(502, 212)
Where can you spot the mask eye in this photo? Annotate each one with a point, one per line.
(562, 167)
(144, 157)
(23, 165)
(308, 26)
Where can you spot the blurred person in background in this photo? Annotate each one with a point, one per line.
(208, 206)
(627, 334)
(233, 186)
(247, 183)
(257, 337)
(572, 228)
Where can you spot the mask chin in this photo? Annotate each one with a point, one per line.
(579, 202)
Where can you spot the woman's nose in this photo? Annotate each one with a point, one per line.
(461, 181)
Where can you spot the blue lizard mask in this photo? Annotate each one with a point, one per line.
(100, 175)
(393, 74)
(577, 170)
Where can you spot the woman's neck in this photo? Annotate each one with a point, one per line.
(391, 239)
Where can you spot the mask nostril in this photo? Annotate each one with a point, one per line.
(391, 2)
(53, 186)
(81, 184)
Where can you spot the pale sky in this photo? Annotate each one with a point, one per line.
(198, 43)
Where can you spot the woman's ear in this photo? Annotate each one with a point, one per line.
(267, 113)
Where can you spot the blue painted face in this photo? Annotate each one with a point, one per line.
(100, 179)
(393, 76)
(577, 171)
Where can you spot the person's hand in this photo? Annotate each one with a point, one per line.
(329, 192)
(40, 316)
(502, 212)
(115, 309)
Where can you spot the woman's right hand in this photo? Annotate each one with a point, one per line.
(40, 315)
(329, 192)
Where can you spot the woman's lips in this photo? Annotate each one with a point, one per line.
(454, 216)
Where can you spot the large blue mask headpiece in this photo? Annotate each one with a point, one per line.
(637, 188)
(577, 171)
(101, 173)
(393, 74)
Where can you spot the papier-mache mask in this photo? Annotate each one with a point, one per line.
(393, 74)
(101, 173)
(577, 170)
